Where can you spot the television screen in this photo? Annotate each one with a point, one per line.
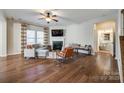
(57, 32)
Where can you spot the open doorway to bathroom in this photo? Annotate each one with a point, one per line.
(106, 37)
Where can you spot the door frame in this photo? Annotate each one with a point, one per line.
(96, 49)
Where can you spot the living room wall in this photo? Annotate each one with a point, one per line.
(76, 33)
(83, 33)
(3, 36)
(9, 37)
(13, 37)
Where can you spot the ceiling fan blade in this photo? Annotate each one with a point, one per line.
(42, 14)
(54, 15)
(40, 18)
(65, 18)
(55, 20)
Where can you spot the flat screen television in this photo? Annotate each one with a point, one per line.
(57, 32)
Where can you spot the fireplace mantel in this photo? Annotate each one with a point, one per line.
(57, 39)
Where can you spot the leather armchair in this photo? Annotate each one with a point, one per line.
(66, 53)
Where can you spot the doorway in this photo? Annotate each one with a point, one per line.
(105, 37)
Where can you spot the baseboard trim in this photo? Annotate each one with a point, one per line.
(3, 55)
(14, 54)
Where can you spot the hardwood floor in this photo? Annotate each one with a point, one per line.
(99, 68)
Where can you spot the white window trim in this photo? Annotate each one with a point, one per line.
(36, 35)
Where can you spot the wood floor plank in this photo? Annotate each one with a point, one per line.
(80, 69)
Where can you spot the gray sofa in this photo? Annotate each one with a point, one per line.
(38, 50)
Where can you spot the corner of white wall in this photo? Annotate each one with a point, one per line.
(3, 33)
(118, 47)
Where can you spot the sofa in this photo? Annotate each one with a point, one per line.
(36, 50)
(86, 49)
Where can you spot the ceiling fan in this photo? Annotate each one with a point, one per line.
(48, 16)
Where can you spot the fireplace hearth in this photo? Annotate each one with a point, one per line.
(57, 45)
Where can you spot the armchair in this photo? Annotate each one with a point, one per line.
(29, 51)
(66, 53)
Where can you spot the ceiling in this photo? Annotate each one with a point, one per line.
(66, 16)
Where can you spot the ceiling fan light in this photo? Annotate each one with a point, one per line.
(48, 19)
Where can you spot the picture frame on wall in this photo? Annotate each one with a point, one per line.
(107, 36)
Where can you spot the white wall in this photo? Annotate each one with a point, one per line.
(17, 38)
(3, 36)
(0, 37)
(84, 33)
(119, 28)
(76, 33)
(13, 37)
(9, 36)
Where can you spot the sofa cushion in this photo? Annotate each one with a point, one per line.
(36, 46)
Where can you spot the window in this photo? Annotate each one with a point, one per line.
(40, 36)
(30, 37)
(35, 37)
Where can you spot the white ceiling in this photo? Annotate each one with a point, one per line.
(67, 16)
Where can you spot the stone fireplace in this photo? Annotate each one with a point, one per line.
(57, 45)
